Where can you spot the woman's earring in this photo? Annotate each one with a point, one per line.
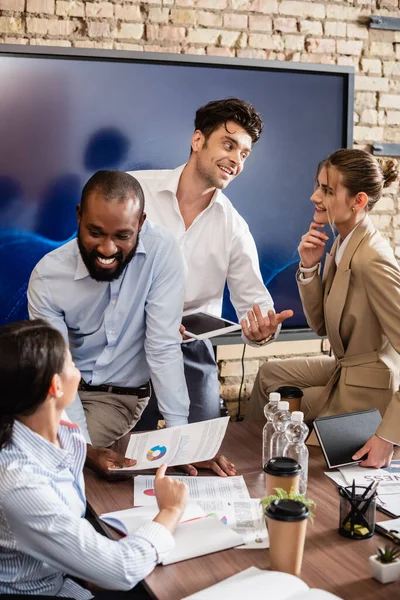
(354, 210)
(60, 394)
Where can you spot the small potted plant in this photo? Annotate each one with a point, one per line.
(385, 564)
(282, 494)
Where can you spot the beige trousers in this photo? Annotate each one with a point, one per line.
(309, 374)
(110, 416)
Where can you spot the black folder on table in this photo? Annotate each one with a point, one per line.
(341, 436)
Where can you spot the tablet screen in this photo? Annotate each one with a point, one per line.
(199, 323)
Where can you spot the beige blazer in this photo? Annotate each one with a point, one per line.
(357, 305)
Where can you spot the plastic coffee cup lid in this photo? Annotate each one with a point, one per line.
(297, 416)
(290, 391)
(282, 466)
(274, 397)
(287, 510)
(283, 405)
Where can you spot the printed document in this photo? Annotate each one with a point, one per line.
(195, 535)
(246, 517)
(364, 476)
(127, 521)
(179, 445)
(200, 488)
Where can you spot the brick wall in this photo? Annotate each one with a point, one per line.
(290, 30)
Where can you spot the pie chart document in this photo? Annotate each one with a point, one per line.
(176, 445)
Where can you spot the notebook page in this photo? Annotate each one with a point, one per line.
(264, 584)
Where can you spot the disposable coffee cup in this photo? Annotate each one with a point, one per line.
(291, 394)
(287, 526)
(281, 472)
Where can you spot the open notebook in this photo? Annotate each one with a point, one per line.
(257, 584)
(194, 536)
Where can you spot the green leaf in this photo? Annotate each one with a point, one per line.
(282, 494)
(387, 554)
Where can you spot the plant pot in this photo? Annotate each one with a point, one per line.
(384, 572)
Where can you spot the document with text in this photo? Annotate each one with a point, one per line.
(174, 446)
(246, 517)
(225, 489)
(387, 476)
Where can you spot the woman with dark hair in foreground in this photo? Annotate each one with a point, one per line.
(44, 536)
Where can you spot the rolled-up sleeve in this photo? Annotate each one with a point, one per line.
(47, 530)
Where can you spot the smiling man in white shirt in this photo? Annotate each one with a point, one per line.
(215, 240)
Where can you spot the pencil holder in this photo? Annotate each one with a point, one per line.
(357, 512)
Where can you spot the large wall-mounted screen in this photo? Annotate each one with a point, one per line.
(64, 114)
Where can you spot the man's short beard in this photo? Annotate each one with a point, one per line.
(208, 176)
(99, 274)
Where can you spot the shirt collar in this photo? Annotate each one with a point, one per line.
(171, 181)
(43, 452)
(342, 246)
(81, 270)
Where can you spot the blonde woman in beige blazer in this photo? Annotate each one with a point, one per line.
(356, 303)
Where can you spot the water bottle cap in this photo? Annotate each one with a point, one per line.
(297, 416)
(283, 405)
(274, 397)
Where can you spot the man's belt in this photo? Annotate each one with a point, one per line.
(143, 391)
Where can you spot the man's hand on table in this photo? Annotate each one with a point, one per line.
(101, 460)
(219, 464)
(260, 328)
(379, 451)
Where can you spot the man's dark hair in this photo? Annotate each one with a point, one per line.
(216, 113)
(113, 185)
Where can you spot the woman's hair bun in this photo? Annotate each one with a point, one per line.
(390, 170)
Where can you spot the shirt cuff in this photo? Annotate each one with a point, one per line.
(385, 440)
(305, 281)
(158, 536)
(175, 420)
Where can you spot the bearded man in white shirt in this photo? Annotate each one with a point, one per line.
(215, 240)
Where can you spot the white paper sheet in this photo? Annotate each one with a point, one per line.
(364, 476)
(388, 495)
(127, 521)
(257, 584)
(391, 525)
(389, 503)
(200, 488)
(254, 583)
(336, 477)
(245, 517)
(176, 445)
(200, 537)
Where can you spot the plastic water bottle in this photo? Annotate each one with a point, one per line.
(279, 420)
(269, 409)
(296, 432)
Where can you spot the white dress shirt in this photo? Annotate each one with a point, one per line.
(218, 247)
(44, 536)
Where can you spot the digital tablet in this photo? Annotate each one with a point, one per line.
(201, 325)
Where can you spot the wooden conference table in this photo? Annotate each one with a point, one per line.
(331, 562)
